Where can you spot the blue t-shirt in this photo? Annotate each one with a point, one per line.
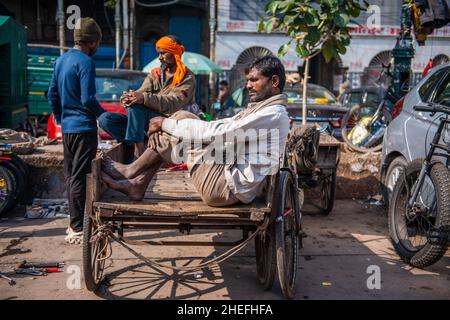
(72, 93)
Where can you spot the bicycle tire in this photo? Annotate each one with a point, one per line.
(7, 184)
(344, 133)
(435, 247)
(287, 238)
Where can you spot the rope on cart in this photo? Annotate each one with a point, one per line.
(105, 232)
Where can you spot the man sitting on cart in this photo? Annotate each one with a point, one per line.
(224, 180)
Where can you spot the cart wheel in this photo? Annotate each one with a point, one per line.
(266, 258)
(287, 227)
(328, 192)
(92, 268)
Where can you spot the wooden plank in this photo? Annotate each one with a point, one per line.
(96, 179)
(151, 206)
(112, 195)
(89, 195)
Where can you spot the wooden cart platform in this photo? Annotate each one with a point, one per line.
(172, 194)
(171, 202)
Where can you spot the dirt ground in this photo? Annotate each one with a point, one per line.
(339, 255)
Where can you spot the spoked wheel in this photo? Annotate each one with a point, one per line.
(7, 192)
(420, 234)
(94, 255)
(327, 191)
(361, 132)
(266, 261)
(18, 182)
(287, 229)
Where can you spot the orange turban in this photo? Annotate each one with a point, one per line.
(168, 45)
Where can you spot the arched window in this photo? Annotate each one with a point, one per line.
(237, 76)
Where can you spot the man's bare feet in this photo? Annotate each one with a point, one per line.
(115, 169)
(133, 188)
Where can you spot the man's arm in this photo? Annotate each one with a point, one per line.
(205, 131)
(88, 91)
(53, 98)
(176, 99)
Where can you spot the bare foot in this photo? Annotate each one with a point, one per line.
(115, 169)
(132, 188)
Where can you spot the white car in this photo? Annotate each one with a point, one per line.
(409, 135)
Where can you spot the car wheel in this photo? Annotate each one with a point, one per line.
(393, 172)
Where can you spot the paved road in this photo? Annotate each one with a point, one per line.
(334, 264)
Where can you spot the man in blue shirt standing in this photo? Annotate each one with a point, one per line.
(72, 97)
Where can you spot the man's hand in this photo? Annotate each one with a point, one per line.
(153, 140)
(136, 97)
(131, 98)
(155, 125)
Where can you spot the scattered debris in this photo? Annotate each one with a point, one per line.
(47, 208)
(372, 168)
(26, 264)
(376, 200)
(104, 145)
(31, 271)
(22, 142)
(11, 282)
(357, 167)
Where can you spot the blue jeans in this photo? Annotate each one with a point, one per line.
(130, 128)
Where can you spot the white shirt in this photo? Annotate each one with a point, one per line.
(265, 133)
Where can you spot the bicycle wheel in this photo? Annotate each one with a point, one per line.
(420, 234)
(328, 192)
(7, 192)
(287, 228)
(360, 131)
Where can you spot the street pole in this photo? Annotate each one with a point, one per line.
(212, 46)
(61, 32)
(403, 53)
(125, 26)
(117, 22)
(132, 25)
(305, 87)
(38, 20)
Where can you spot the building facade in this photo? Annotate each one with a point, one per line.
(237, 41)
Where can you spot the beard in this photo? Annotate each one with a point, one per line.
(164, 65)
(260, 96)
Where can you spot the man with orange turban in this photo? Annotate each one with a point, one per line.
(165, 91)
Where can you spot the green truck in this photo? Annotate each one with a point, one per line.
(39, 75)
(13, 74)
(24, 80)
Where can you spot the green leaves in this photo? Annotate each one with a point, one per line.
(270, 24)
(328, 51)
(313, 35)
(273, 6)
(284, 49)
(314, 25)
(302, 51)
(341, 19)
